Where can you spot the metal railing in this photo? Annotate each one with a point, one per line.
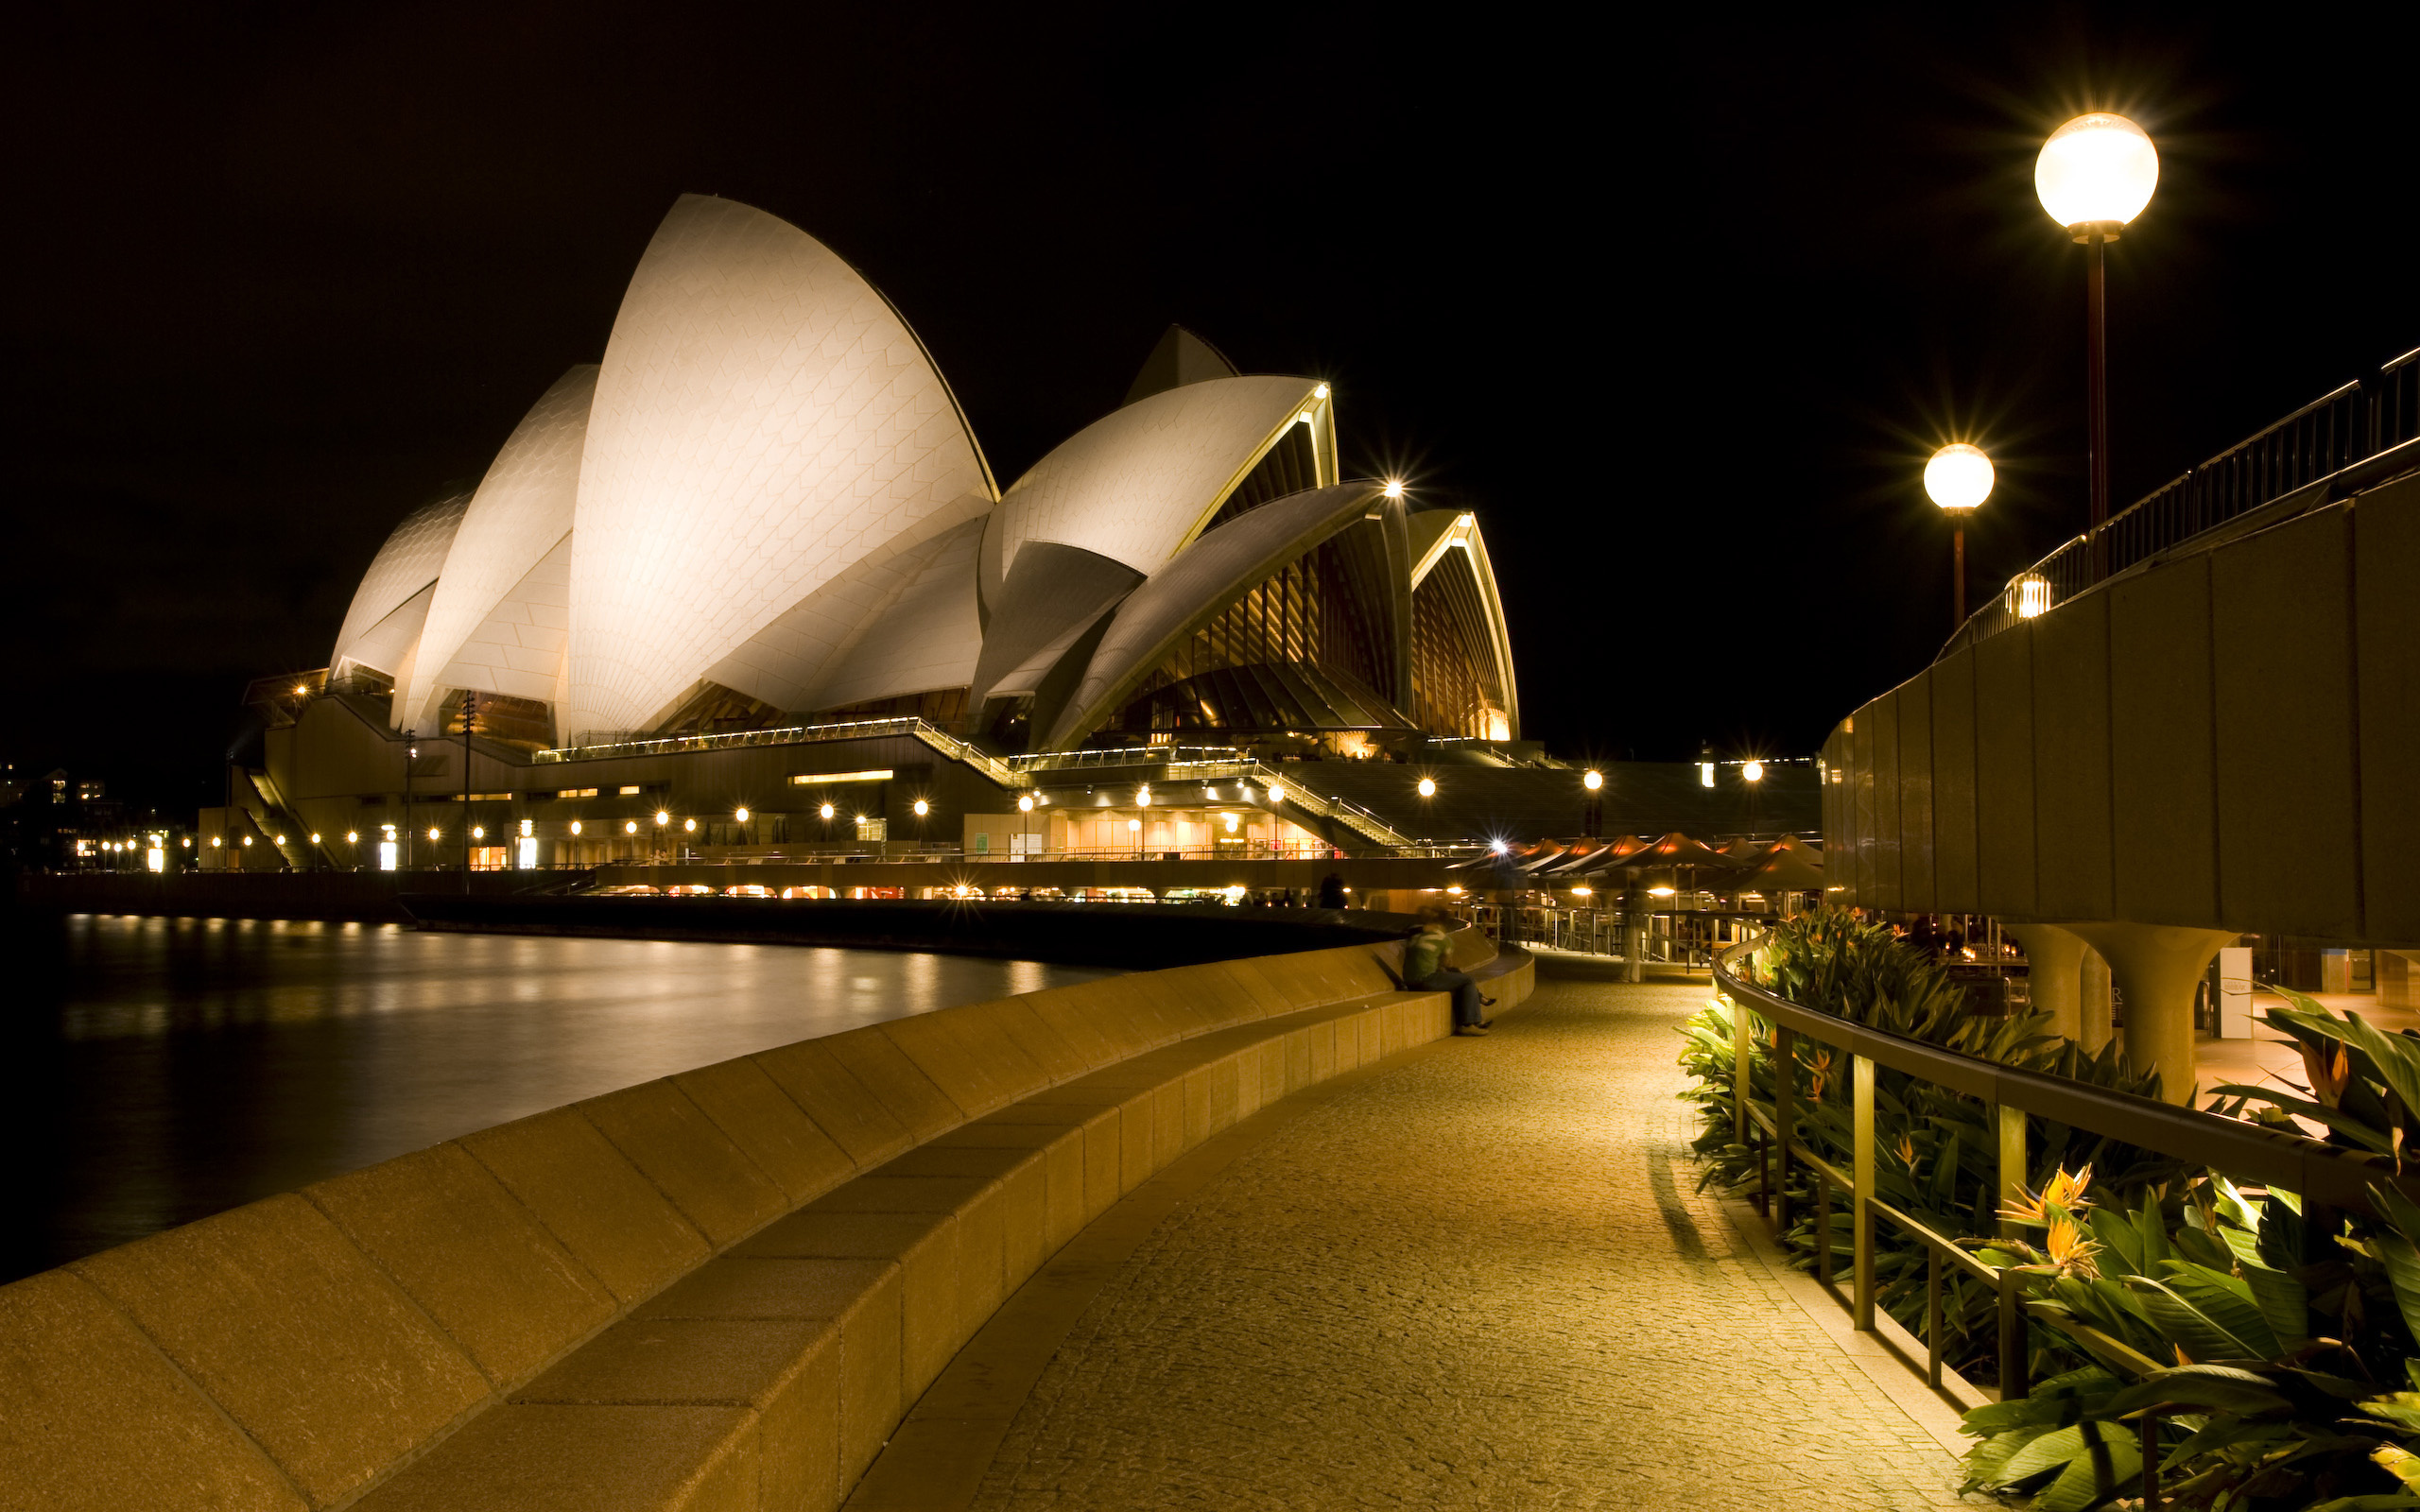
(2352, 438)
(2326, 1177)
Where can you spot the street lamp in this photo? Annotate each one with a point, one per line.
(1428, 787)
(2095, 174)
(1959, 478)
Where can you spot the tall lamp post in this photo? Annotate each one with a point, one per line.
(1959, 478)
(2095, 174)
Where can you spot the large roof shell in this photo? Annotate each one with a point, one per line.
(1194, 588)
(889, 624)
(1435, 535)
(764, 420)
(406, 566)
(521, 515)
(1137, 485)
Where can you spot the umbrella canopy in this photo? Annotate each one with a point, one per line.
(1785, 870)
(1677, 850)
(1609, 857)
(1584, 855)
(1747, 852)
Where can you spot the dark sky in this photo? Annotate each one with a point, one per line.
(1679, 311)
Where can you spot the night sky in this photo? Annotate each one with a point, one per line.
(1679, 309)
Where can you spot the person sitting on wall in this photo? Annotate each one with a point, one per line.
(1425, 970)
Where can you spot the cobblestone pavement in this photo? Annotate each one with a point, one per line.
(1479, 1279)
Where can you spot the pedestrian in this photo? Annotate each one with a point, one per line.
(1332, 890)
(1425, 970)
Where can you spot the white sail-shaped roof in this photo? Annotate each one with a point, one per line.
(373, 633)
(892, 596)
(1139, 483)
(1194, 588)
(764, 420)
(520, 515)
(517, 651)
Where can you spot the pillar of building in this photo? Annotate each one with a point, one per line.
(2157, 967)
(2053, 968)
(2093, 1002)
(1635, 906)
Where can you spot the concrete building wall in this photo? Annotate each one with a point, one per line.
(2221, 742)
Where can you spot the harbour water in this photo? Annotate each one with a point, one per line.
(155, 1071)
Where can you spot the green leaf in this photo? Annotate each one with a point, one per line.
(2099, 1461)
(2227, 1301)
(2217, 1387)
(2284, 1303)
(2356, 1129)
(2187, 1326)
(2395, 1251)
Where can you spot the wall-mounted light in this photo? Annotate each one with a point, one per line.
(1659, 892)
(1320, 392)
(478, 831)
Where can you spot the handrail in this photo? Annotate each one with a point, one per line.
(2267, 1156)
(2355, 436)
(2324, 1176)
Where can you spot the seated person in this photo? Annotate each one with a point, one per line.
(1425, 970)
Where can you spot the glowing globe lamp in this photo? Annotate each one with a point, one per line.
(1959, 476)
(2097, 170)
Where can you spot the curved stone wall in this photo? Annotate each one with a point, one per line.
(722, 1289)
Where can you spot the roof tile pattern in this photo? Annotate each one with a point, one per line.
(1136, 485)
(521, 513)
(764, 420)
(409, 561)
(517, 651)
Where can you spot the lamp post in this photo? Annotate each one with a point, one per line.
(1959, 478)
(2095, 174)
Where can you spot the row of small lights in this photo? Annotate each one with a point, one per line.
(1753, 771)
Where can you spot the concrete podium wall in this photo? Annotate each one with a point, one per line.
(2222, 741)
(718, 1290)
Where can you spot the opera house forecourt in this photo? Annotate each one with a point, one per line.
(749, 585)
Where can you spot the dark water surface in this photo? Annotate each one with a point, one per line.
(155, 1071)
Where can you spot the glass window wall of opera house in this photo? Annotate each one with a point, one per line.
(748, 587)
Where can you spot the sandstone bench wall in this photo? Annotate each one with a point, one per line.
(718, 1290)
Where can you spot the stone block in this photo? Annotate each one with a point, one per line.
(866, 1298)
(1169, 1132)
(305, 1344)
(896, 1082)
(1085, 1017)
(788, 1372)
(770, 1129)
(544, 1457)
(969, 1055)
(475, 1260)
(1297, 1061)
(612, 1219)
(94, 1418)
(672, 1142)
(839, 1105)
(1022, 1198)
(1049, 1049)
(925, 1248)
(1057, 1150)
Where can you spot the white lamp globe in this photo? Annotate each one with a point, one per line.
(1959, 476)
(2097, 169)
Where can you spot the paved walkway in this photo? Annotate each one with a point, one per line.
(1474, 1276)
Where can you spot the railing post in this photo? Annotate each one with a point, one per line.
(2009, 1130)
(1861, 1200)
(2015, 1371)
(1743, 1081)
(1785, 1121)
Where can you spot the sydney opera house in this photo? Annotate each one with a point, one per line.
(751, 578)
